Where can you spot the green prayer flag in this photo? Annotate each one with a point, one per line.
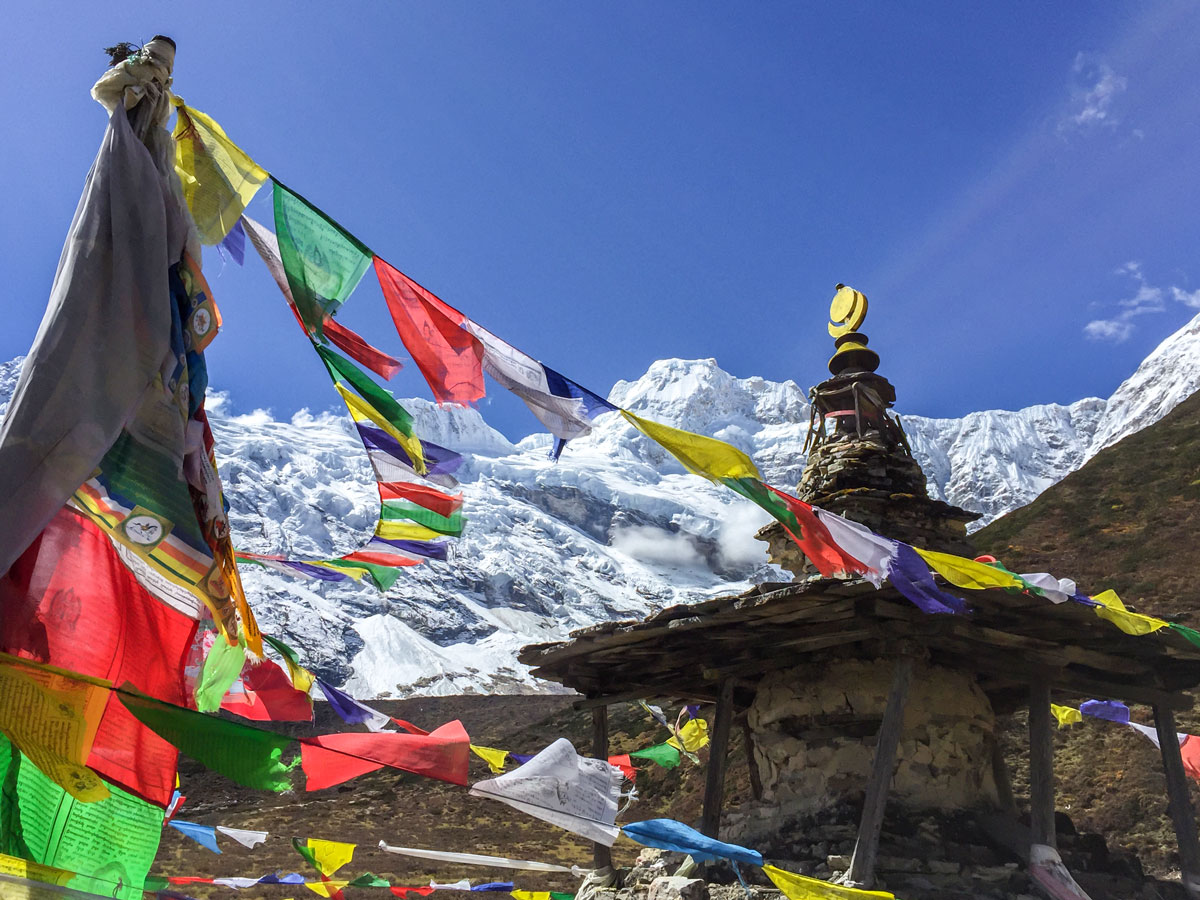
(249, 756)
(383, 576)
(756, 492)
(381, 400)
(323, 262)
(558, 895)
(1190, 633)
(369, 880)
(392, 510)
(221, 668)
(663, 754)
(110, 843)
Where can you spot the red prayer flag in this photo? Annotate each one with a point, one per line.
(269, 696)
(816, 541)
(423, 891)
(330, 759)
(625, 764)
(354, 346)
(450, 358)
(1190, 751)
(70, 601)
(409, 726)
(430, 498)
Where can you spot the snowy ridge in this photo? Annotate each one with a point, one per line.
(616, 529)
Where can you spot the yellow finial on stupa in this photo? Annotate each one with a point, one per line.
(846, 314)
(847, 311)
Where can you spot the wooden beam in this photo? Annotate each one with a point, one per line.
(601, 855)
(862, 866)
(756, 790)
(1041, 764)
(1179, 800)
(1004, 791)
(718, 756)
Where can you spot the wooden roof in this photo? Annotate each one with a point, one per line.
(685, 651)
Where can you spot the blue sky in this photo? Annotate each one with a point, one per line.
(1014, 186)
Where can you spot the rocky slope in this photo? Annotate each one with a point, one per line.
(616, 529)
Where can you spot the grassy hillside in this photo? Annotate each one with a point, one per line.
(1129, 520)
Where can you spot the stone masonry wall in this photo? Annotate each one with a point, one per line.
(814, 730)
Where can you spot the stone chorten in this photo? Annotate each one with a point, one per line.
(859, 462)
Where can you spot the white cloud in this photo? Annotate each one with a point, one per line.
(1093, 92)
(648, 544)
(1148, 298)
(1187, 298)
(739, 547)
(1113, 330)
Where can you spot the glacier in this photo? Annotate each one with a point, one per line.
(615, 529)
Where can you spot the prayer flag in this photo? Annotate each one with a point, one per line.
(330, 759)
(1110, 607)
(450, 358)
(52, 719)
(1113, 710)
(667, 834)
(350, 343)
(302, 679)
(218, 178)
(204, 835)
(70, 601)
(326, 856)
(221, 668)
(101, 843)
(799, 520)
(967, 573)
(243, 754)
(1056, 590)
(700, 455)
(625, 764)
(801, 887)
(494, 758)
(1066, 715)
(474, 859)
(351, 711)
(564, 789)
(323, 262)
(250, 839)
(693, 734)
(664, 755)
(267, 695)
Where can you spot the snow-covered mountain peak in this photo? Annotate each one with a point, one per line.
(1167, 377)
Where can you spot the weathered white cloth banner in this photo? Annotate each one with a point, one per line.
(475, 859)
(563, 788)
(244, 837)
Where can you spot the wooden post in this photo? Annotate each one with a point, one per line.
(1004, 791)
(755, 780)
(1179, 800)
(601, 855)
(1041, 764)
(862, 865)
(718, 755)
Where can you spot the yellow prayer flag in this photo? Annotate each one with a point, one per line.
(325, 888)
(330, 855)
(302, 679)
(1114, 610)
(799, 887)
(700, 455)
(218, 178)
(23, 868)
(695, 735)
(494, 758)
(530, 895)
(967, 573)
(1066, 715)
(393, 530)
(361, 411)
(52, 718)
